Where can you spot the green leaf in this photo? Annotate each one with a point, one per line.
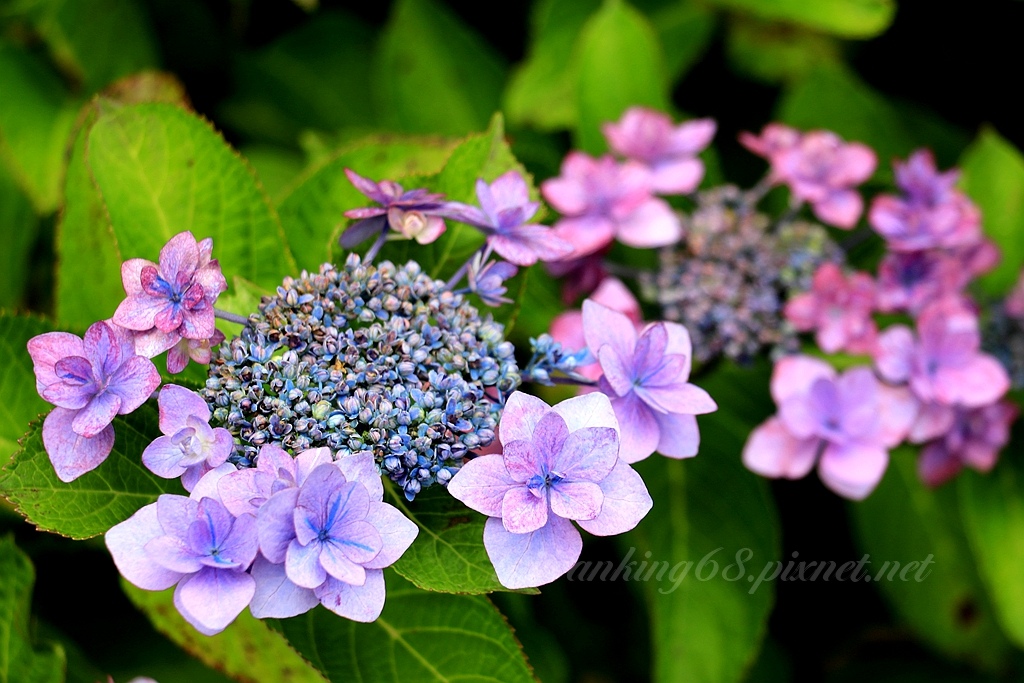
(21, 403)
(845, 18)
(774, 53)
(96, 41)
(834, 98)
(621, 64)
(312, 213)
(433, 74)
(448, 555)
(708, 619)
(992, 506)
(903, 522)
(36, 118)
(241, 298)
(420, 637)
(993, 177)
(685, 30)
(18, 223)
(21, 659)
(276, 167)
(247, 650)
(162, 170)
(540, 92)
(317, 76)
(97, 500)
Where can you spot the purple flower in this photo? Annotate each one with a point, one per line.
(325, 536)
(774, 139)
(909, 281)
(487, 281)
(90, 381)
(943, 364)
(199, 350)
(194, 543)
(845, 423)
(670, 152)
(190, 447)
(172, 300)
(557, 464)
(974, 440)
(416, 214)
(838, 309)
(567, 327)
(930, 213)
(603, 200)
(645, 375)
(506, 209)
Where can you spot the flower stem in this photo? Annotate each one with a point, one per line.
(375, 247)
(230, 317)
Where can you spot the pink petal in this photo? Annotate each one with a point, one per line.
(522, 511)
(309, 460)
(679, 436)
(618, 371)
(681, 176)
(639, 433)
(139, 311)
(936, 465)
(131, 275)
(126, 542)
(693, 137)
(134, 382)
(772, 451)
(46, 349)
(520, 417)
(626, 502)
(587, 234)
(154, 342)
(163, 458)
(980, 381)
(853, 471)
(97, 415)
(482, 483)
(276, 597)
(680, 397)
(894, 352)
(580, 500)
(212, 598)
(859, 162)
(397, 532)
(359, 603)
(520, 460)
(898, 410)
(534, 559)
(678, 344)
(588, 410)
(840, 208)
(588, 454)
(652, 224)
(603, 326)
(179, 256)
(794, 375)
(933, 420)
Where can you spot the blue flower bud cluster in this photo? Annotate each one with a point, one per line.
(376, 358)
(550, 360)
(728, 281)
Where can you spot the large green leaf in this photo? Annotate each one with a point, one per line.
(248, 650)
(774, 52)
(433, 74)
(708, 618)
(992, 506)
(541, 91)
(162, 170)
(97, 500)
(685, 30)
(21, 659)
(21, 403)
(621, 64)
(36, 117)
(993, 176)
(317, 76)
(96, 41)
(420, 637)
(846, 18)
(312, 213)
(448, 555)
(19, 226)
(903, 522)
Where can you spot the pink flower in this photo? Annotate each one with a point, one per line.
(774, 138)
(557, 465)
(645, 375)
(567, 328)
(416, 214)
(173, 300)
(943, 364)
(973, 440)
(90, 381)
(838, 309)
(845, 423)
(603, 200)
(930, 213)
(670, 152)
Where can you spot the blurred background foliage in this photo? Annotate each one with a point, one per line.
(301, 90)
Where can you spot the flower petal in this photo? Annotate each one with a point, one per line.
(302, 563)
(276, 597)
(134, 382)
(520, 417)
(126, 542)
(854, 470)
(72, 454)
(772, 451)
(522, 511)
(212, 598)
(604, 327)
(275, 526)
(579, 500)
(679, 436)
(482, 483)
(359, 603)
(534, 559)
(97, 414)
(177, 404)
(588, 454)
(397, 532)
(626, 502)
(639, 433)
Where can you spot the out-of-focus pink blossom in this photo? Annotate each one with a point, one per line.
(838, 309)
(580, 275)
(973, 440)
(669, 151)
(567, 328)
(774, 138)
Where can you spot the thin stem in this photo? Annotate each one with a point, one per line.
(376, 247)
(230, 317)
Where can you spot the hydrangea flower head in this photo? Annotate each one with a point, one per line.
(172, 300)
(930, 213)
(557, 465)
(90, 380)
(504, 214)
(943, 363)
(602, 200)
(416, 214)
(669, 151)
(845, 423)
(196, 544)
(974, 440)
(838, 308)
(189, 447)
(645, 375)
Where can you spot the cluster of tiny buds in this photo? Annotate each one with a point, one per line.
(550, 362)
(373, 358)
